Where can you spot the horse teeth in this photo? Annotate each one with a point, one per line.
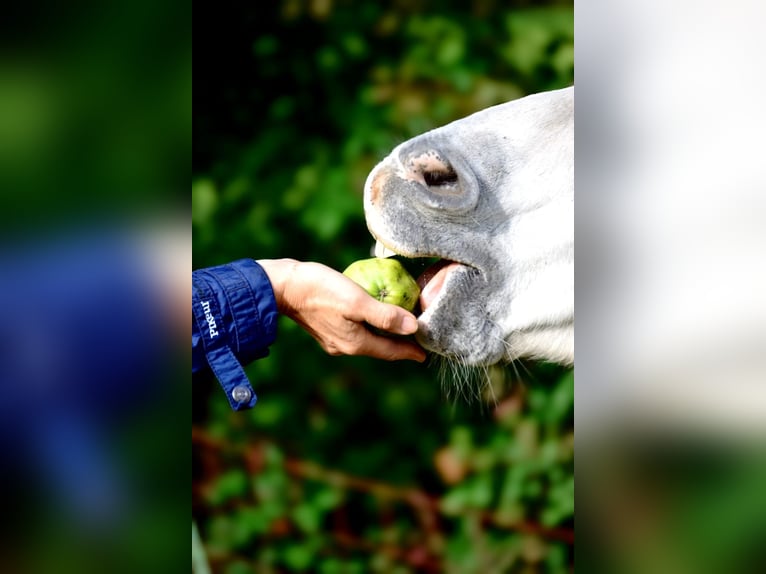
(383, 251)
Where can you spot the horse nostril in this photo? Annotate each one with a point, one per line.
(434, 182)
(431, 168)
(439, 177)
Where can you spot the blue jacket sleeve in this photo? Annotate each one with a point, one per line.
(234, 321)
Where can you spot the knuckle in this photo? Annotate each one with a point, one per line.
(332, 349)
(388, 317)
(344, 348)
(387, 351)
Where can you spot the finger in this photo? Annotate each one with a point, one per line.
(390, 349)
(389, 317)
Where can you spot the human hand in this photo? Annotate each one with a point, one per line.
(333, 310)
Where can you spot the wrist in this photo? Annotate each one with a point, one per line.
(279, 272)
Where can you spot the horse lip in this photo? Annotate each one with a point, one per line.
(433, 281)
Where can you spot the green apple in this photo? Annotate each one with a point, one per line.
(385, 279)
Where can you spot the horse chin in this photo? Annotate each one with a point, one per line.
(455, 324)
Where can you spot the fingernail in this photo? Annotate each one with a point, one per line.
(409, 324)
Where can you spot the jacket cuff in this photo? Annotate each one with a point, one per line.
(236, 318)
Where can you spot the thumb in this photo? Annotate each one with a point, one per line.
(390, 318)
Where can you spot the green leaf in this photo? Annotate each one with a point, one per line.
(298, 557)
(204, 201)
(307, 517)
(232, 484)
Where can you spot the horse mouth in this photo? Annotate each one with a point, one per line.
(433, 279)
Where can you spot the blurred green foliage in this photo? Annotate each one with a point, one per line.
(95, 112)
(350, 464)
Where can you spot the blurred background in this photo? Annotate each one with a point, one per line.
(95, 148)
(350, 464)
(671, 287)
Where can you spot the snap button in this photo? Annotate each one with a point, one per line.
(241, 394)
